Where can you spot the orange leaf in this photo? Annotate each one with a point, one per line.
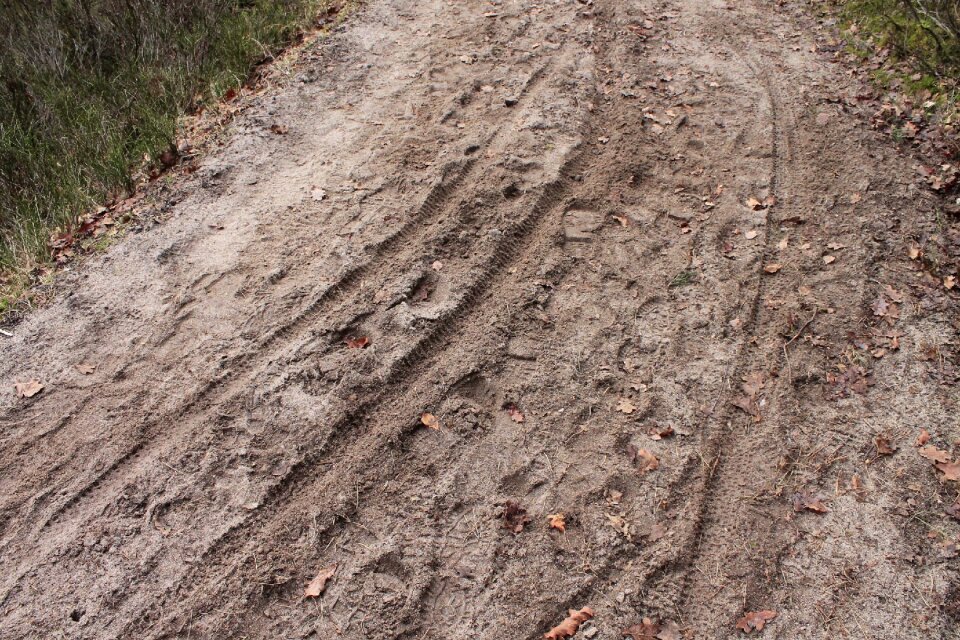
(318, 584)
(430, 420)
(568, 628)
(809, 502)
(923, 438)
(773, 267)
(649, 461)
(357, 343)
(755, 620)
(557, 521)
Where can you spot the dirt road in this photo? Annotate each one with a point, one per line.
(540, 216)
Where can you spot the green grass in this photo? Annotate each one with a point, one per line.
(90, 88)
(923, 33)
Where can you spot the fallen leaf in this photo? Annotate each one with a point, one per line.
(437, 265)
(515, 517)
(623, 220)
(935, 455)
(750, 235)
(949, 282)
(357, 343)
(950, 470)
(669, 631)
(884, 446)
(893, 294)
(773, 267)
(318, 584)
(809, 502)
(755, 620)
(568, 628)
(783, 244)
(829, 259)
(880, 307)
(430, 420)
(625, 406)
(318, 194)
(28, 389)
(915, 252)
(557, 521)
(855, 198)
(646, 630)
(923, 438)
(755, 204)
(836, 246)
(659, 433)
(85, 368)
(515, 414)
(648, 461)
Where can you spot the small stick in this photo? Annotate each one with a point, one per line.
(6, 333)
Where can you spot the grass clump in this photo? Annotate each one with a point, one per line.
(925, 33)
(89, 88)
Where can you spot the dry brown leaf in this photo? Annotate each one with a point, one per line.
(569, 627)
(85, 368)
(318, 584)
(623, 220)
(430, 420)
(809, 502)
(923, 438)
(28, 389)
(949, 282)
(884, 446)
(755, 620)
(773, 267)
(515, 517)
(647, 461)
(625, 406)
(659, 433)
(880, 307)
(669, 631)
(855, 198)
(318, 194)
(515, 414)
(915, 252)
(829, 259)
(783, 244)
(935, 455)
(950, 470)
(646, 630)
(750, 235)
(360, 342)
(557, 521)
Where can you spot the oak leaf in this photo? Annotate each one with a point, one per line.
(755, 620)
(923, 438)
(571, 624)
(319, 583)
(85, 368)
(648, 461)
(625, 406)
(28, 389)
(935, 455)
(950, 470)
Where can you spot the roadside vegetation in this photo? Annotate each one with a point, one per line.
(922, 36)
(91, 90)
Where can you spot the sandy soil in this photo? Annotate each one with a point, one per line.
(538, 214)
